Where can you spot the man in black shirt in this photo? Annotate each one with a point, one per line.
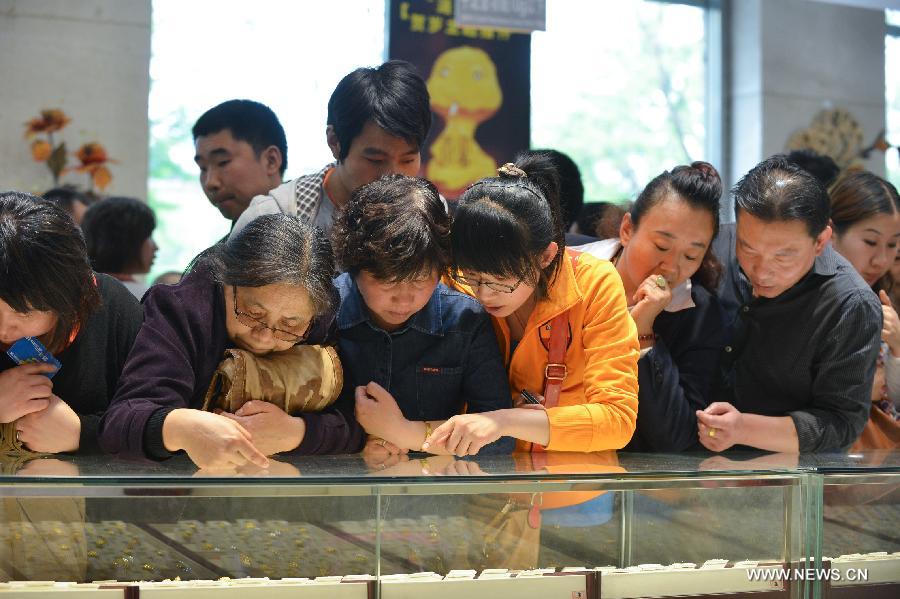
(805, 328)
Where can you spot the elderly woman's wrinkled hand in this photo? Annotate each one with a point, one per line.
(273, 430)
(211, 440)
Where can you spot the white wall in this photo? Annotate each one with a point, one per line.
(91, 59)
(790, 59)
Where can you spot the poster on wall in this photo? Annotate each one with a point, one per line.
(479, 79)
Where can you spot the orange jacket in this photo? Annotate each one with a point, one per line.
(598, 403)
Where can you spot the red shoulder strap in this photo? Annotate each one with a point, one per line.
(555, 371)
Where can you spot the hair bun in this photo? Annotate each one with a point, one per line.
(705, 170)
(699, 181)
(511, 171)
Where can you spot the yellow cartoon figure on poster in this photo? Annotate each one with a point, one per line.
(465, 92)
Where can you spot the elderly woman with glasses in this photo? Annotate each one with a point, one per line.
(265, 290)
(561, 318)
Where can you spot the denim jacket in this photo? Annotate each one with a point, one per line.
(444, 361)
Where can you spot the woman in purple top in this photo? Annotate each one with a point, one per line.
(264, 290)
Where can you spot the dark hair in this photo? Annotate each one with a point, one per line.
(818, 165)
(45, 265)
(859, 195)
(776, 189)
(271, 249)
(114, 232)
(701, 187)
(395, 228)
(67, 195)
(600, 219)
(503, 224)
(571, 189)
(248, 121)
(393, 96)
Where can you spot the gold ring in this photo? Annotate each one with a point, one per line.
(661, 281)
(712, 432)
(380, 442)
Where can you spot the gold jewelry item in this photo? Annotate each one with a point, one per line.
(712, 432)
(427, 431)
(661, 281)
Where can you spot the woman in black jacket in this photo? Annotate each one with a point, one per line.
(87, 320)
(663, 257)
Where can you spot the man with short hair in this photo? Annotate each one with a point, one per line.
(799, 368)
(241, 150)
(378, 119)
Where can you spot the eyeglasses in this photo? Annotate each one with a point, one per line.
(254, 323)
(492, 285)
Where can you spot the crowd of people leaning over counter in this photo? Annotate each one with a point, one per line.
(356, 309)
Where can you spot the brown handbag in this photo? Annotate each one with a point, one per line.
(881, 432)
(306, 378)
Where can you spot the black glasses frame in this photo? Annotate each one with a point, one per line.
(492, 285)
(251, 322)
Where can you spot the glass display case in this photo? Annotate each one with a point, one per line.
(574, 526)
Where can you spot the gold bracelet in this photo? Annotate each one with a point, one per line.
(427, 431)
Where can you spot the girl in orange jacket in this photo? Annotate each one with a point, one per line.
(509, 253)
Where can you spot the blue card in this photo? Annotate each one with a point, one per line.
(28, 350)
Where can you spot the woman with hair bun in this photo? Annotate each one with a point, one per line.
(560, 317)
(663, 257)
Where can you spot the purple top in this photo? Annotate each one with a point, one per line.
(172, 362)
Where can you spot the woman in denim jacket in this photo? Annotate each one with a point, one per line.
(414, 352)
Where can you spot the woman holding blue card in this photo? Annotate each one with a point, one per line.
(55, 310)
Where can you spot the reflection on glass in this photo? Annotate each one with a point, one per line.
(275, 468)
(766, 461)
(30, 466)
(43, 539)
(332, 515)
(862, 513)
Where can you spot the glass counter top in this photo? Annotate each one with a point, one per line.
(420, 468)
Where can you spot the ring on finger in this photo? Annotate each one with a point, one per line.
(18, 432)
(661, 281)
(380, 442)
(712, 432)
